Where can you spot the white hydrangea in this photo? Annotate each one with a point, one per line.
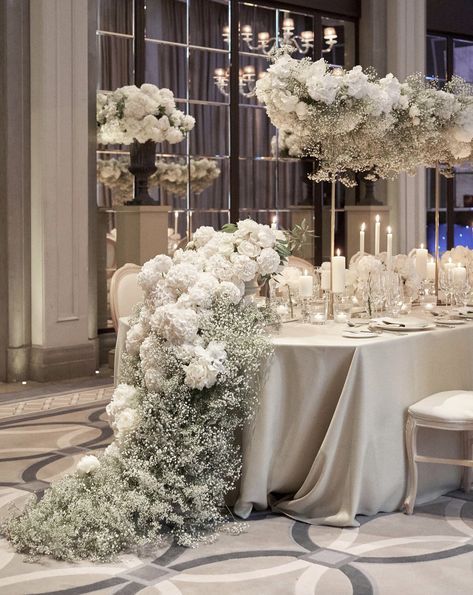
(153, 270)
(124, 396)
(135, 337)
(229, 291)
(146, 114)
(182, 276)
(244, 267)
(268, 261)
(175, 324)
(87, 464)
(125, 421)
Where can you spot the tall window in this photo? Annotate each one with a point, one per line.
(186, 46)
(448, 55)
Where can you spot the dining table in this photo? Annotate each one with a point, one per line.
(326, 443)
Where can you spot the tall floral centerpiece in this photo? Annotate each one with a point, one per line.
(141, 117)
(335, 116)
(195, 359)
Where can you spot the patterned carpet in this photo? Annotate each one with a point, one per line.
(430, 553)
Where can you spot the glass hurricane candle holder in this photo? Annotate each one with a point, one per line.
(342, 306)
(318, 310)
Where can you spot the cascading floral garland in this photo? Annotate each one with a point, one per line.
(195, 360)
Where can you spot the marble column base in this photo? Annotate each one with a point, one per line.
(59, 363)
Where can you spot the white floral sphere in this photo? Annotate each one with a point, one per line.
(87, 464)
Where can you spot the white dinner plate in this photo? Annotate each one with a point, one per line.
(407, 323)
(449, 321)
(359, 335)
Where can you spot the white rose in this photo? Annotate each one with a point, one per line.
(87, 464)
(247, 248)
(200, 374)
(247, 226)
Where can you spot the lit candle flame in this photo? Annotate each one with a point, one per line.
(377, 218)
(363, 227)
(422, 246)
(338, 251)
(389, 230)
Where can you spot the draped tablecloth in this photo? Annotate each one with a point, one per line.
(327, 442)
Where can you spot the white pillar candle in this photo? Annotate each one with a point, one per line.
(338, 273)
(325, 277)
(431, 270)
(362, 238)
(274, 224)
(421, 261)
(449, 265)
(306, 285)
(377, 229)
(459, 274)
(389, 246)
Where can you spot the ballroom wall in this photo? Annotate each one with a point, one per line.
(48, 208)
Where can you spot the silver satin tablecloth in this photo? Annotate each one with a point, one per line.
(327, 442)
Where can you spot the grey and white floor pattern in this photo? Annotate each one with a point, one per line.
(430, 553)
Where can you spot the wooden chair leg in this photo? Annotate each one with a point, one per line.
(467, 476)
(411, 447)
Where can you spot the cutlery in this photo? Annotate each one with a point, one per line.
(397, 324)
(379, 331)
(357, 324)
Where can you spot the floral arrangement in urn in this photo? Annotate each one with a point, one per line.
(141, 117)
(194, 363)
(174, 176)
(140, 114)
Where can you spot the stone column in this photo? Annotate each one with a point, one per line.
(15, 324)
(406, 31)
(63, 336)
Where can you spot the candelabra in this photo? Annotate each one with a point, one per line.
(302, 43)
(246, 78)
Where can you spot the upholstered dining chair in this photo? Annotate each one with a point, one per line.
(300, 263)
(449, 410)
(124, 292)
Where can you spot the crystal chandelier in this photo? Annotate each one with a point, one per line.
(302, 43)
(246, 80)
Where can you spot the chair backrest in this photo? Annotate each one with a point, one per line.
(111, 253)
(300, 263)
(124, 291)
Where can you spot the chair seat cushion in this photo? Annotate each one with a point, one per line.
(450, 405)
